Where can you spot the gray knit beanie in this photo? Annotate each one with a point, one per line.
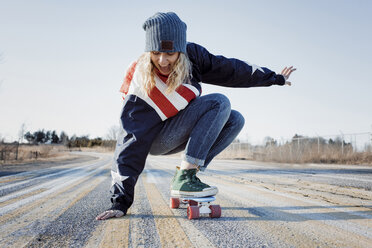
(165, 32)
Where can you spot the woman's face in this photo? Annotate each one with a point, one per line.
(164, 61)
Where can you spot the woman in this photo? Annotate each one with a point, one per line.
(163, 111)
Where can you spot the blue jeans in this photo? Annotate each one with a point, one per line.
(203, 129)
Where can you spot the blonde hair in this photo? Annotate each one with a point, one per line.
(181, 73)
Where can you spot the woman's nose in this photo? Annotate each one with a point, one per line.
(163, 60)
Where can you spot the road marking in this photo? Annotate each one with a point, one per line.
(142, 224)
(249, 215)
(116, 232)
(50, 205)
(55, 186)
(27, 208)
(21, 197)
(26, 177)
(96, 236)
(170, 231)
(195, 236)
(318, 224)
(289, 194)
(64, 173)
(12, 179)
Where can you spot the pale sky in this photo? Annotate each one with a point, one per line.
(62, 62)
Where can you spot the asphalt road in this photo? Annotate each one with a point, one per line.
(263, 205)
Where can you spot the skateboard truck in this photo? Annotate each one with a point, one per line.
(197, 206)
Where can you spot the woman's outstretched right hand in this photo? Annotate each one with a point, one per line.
(286, 72)
(110, 214)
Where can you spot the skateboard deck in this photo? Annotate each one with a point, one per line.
(197, 206)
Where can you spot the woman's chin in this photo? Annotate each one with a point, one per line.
(165, 72)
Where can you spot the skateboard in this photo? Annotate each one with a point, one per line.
(197, 206)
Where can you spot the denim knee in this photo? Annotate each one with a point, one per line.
(237, 119)
(155, 149)
(222, 101)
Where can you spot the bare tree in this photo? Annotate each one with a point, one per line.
(269, 141)
(21, 132)
(113, 133)
(63, 138)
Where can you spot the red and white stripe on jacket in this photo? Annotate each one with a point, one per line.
(165, 104)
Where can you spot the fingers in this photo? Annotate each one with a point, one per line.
(287, 71)
(284, 71)
(109, 214)
(291, 70)
(106, 215)
(103, 216)
(99, 217)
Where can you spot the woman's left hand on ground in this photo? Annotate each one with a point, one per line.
(286, 72)
(110, 214)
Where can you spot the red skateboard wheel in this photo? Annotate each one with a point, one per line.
(192, 212)
(215, 211)
(174, 202)
(193, 203)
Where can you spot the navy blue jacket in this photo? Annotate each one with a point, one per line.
(140, 123)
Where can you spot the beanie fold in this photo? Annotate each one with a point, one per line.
(165, 32)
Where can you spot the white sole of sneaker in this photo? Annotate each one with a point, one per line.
(210, 192)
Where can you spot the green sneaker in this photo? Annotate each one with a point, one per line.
(175, 175)
(186, 184)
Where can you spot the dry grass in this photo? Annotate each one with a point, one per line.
(283, 154)
(30, 152)
(304, 154)
(12, 153)
(101, 149)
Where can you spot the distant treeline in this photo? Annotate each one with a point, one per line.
(296, 139)
(51, 137)
(46, 137)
